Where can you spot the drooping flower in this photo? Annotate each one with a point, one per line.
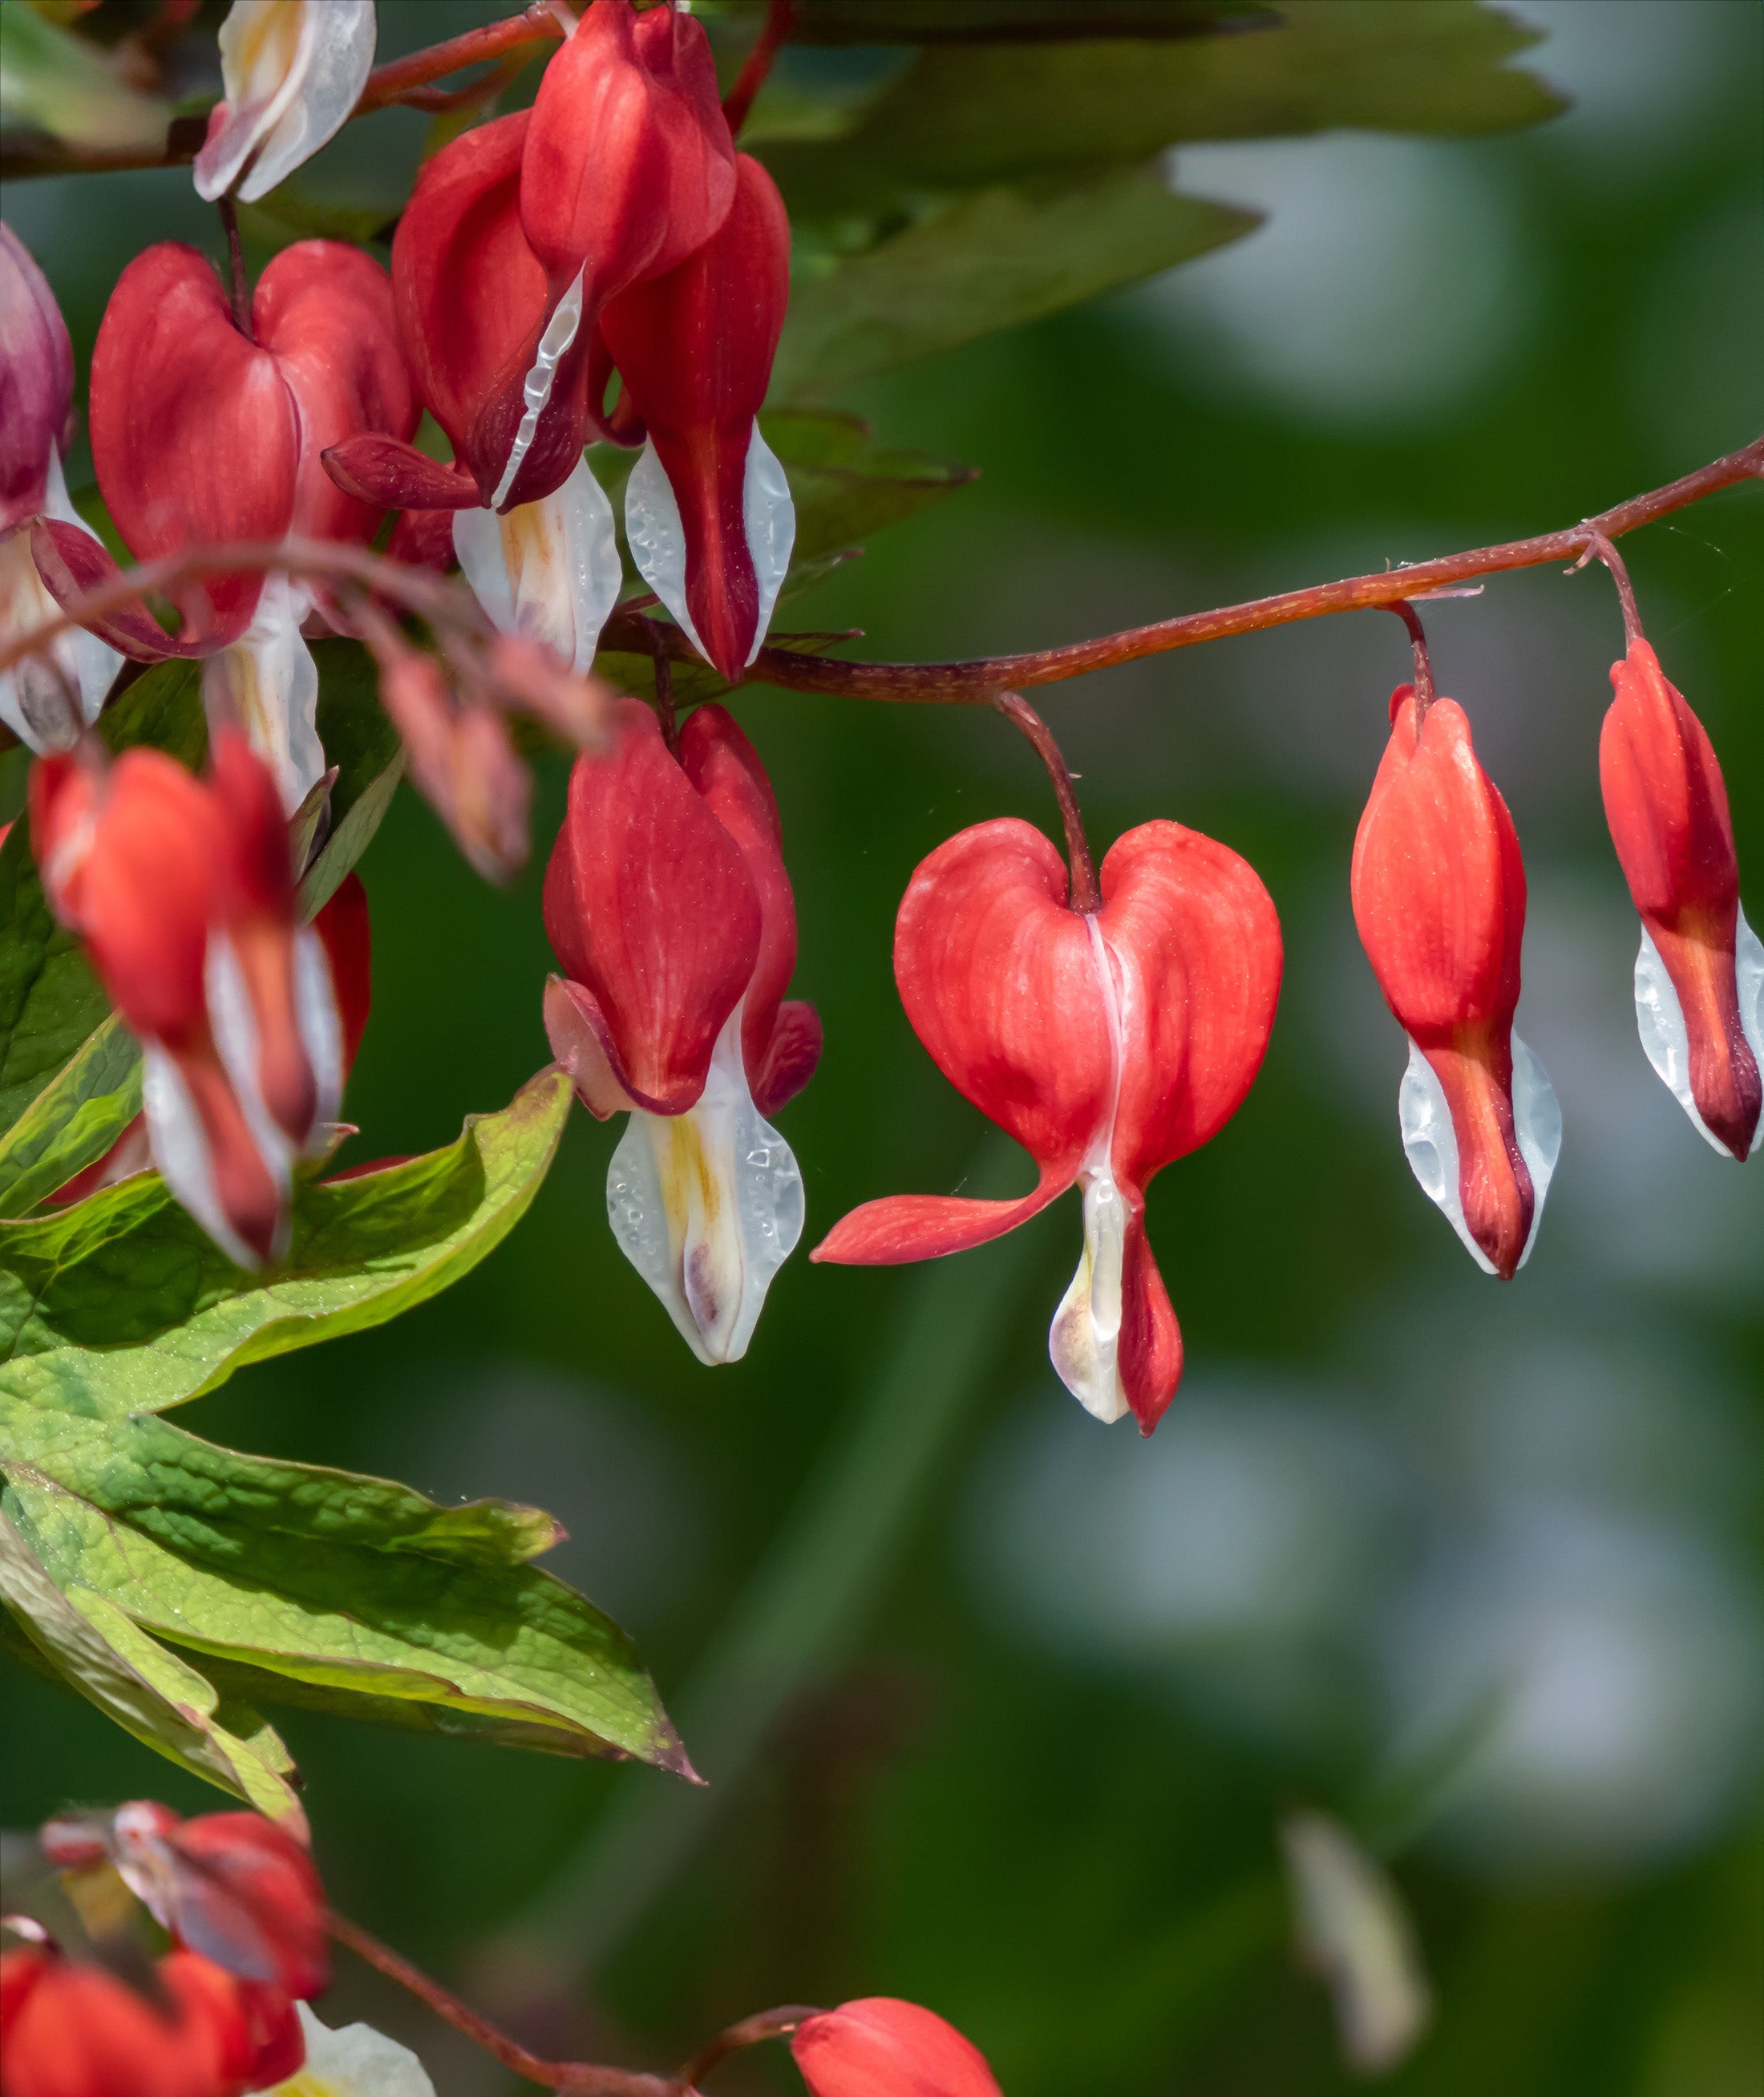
(1439, 900)
(202, 434)
(292, 70)
(44, 699)
(181, 891)
(234, 1887)
(70, 2029)
(1109, 1044)
(469, 294)
(1700, 974)
(707, 507)
(882, 2047)
(668, 903)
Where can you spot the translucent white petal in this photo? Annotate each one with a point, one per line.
(1084, 1338)
(267, 682)
(1665, 1038)
(536, 389)
(320, 1030)
(353, 2061)
(657, 537)
(550, 568)
(770, 517)
(39, 697)
(1430, 1143)
(180, 1147)
(292, 71)
(708, 1205)
(1748, 972)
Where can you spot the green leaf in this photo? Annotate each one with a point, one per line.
(987, 260)
(846, 487)
(987, 21)
(74, 1120)
(695, 682)
(351, 1592)
(962, 118)
(60, 84)
(361, 743)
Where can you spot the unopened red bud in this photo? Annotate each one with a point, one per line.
(35, 381)
(883, 2047)
(462, 762)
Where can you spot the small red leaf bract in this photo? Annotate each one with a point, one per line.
(195, 436)
(649, 906)
(882, 2047)
(1666, 803)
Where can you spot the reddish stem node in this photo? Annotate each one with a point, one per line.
(239, 283)
(1424, 693)
(1087, 898)
(751, 2031)
(1599, 548)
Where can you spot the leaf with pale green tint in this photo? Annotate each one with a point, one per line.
(58, 83)
(73, 1121)
(353, 1592)
(988, 260)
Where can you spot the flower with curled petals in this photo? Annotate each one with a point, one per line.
(1700, 974)
(292, 71)
(1439, 900)
(668, 903)
(1108, 1044)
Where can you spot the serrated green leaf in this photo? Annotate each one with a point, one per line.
(60, 84)
(74, 1120)
(989, 260)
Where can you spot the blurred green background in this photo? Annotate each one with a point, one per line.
(1000, 1709)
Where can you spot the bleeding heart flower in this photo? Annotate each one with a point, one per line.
(470, 295)
(68, 2029)
(1700, 974)
(668, 903)
(882, 2047)
(44, 699)
(1439, 898)
(707, 507)
(293, 70)
(202, 434)
(1109, 1044)
(181, 891)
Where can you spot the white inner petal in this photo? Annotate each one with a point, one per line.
(267, 682)
(1084, 1341)
(1430, 1143)
(536, 389)
(550, 568)
(35, 693)
(355, 2061)
(708, 1205)
(320, 1031)
(180, 1148)
(657, 538)
(1748, 975)
(234, 1026)
(1665, 1037)
(292, 91)
(770, 517)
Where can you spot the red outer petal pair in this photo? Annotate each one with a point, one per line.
(666, 901)
(695, 348)
(164, 876)
(35, 381)
(72, 2030)
(1439, 899)
(202, 437)
(1666, 803)
(883, 2047)
(1110, 1075)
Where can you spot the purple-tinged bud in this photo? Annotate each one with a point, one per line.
(36, 383)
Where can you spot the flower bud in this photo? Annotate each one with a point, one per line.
(882, 2047)
(1700, 974)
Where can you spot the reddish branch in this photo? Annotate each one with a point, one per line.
(751, 2031)
(1424, 663)
(409, 79)
(1087, 896)
(974, 683)
(781, 18)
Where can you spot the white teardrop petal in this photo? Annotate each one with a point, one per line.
(1749, 981)
(708, 1205)
(180, 1148)
(657, 538)
(320, 1030)
(292, 71)
(354, 2060)
(1430, 1144)
(1084, 1341)
(1538, 1130)
(267, 682)
(234, 1024)
(770, 515)
(46, 699)
(536, 389)
(548, 568)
